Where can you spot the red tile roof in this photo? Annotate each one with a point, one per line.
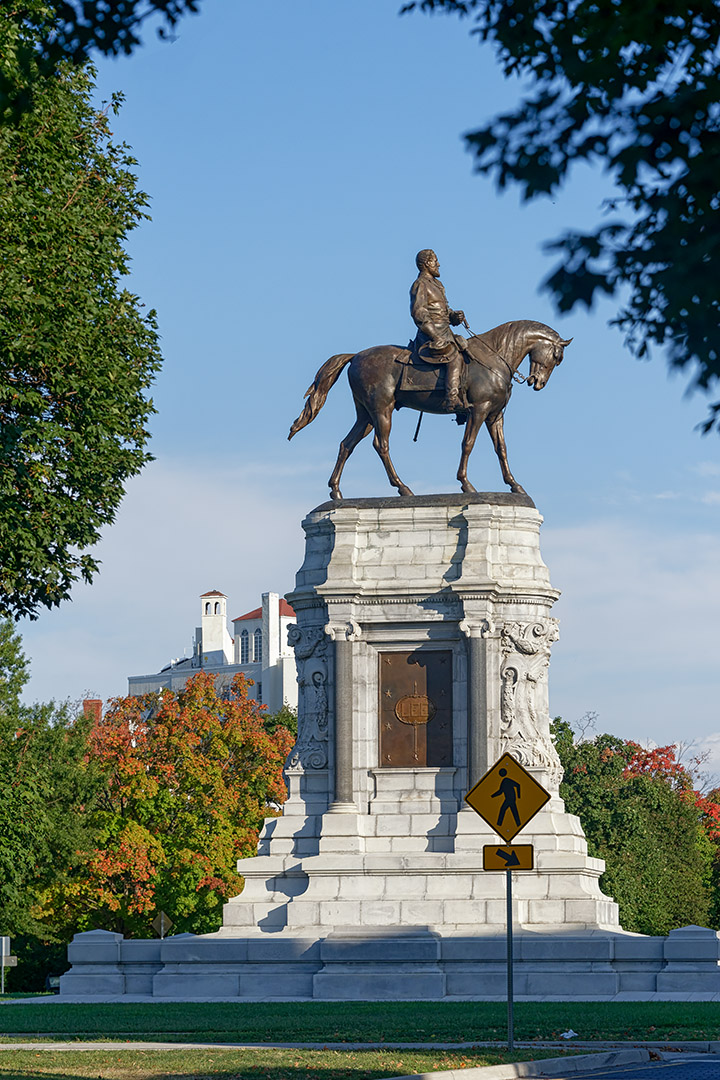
(256, 614)
(213, 593)
(285, 611)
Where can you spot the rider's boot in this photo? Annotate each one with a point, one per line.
(452, 401)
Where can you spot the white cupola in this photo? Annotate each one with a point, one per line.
(217, 645)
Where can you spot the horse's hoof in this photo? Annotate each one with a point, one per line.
(518, 489)
(336, 495)
(403, 490)
(468, 488)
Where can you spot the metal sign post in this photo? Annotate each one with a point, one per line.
(510, 989)
(4, 957)
(520, 797)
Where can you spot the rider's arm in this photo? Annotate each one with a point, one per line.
(456, 317)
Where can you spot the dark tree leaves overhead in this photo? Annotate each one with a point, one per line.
(634, 87)
(51, 32)
(77, 353)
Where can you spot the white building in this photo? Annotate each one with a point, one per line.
(258, 649)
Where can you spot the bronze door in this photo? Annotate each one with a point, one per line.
(416, 708)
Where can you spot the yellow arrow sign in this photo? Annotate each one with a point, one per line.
(508, 857)
(507, 797)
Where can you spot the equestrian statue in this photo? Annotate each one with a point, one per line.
(438, 372)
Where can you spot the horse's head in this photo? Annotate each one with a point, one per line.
(545, 355)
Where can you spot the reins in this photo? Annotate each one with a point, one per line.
(514, 375)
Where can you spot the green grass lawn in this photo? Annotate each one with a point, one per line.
(400, 1021)
(264, 1064)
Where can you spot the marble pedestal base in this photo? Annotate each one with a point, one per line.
(429, 873)
(390, 591)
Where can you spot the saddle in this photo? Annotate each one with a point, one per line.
(418, 374)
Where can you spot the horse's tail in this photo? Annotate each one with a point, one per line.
(316, 394)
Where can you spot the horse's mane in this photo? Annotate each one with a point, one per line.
(508, 335)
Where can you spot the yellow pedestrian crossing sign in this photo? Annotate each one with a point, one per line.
(507, 797)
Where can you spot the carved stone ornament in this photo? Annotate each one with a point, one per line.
(346, 630)
(524, 719)
(311, 656)
(481, 628)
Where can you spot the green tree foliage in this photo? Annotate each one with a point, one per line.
(53, 32)
(77, 354)
(46, 785)
(639, 813)
(14, 669)
(285, 717)
(189, 778)
(634, 88)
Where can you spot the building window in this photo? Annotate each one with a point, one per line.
(259, 693)
(207, 608)
(217, 607)
(258, 646)
(244, 647)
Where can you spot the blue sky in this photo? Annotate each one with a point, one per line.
(297, 156)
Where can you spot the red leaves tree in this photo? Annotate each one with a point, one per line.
(642, 814)
(190, 777)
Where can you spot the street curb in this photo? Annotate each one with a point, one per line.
(546, 1067)
(122, 1041)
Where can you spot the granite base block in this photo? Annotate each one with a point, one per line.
(404, 982)
(417, 963)
(93, 983)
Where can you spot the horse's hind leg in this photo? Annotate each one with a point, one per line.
(497, 433)
(356, 434)
(381, 442)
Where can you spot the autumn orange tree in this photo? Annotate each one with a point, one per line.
(189, 778)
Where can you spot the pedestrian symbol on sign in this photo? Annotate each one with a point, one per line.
(510, 791)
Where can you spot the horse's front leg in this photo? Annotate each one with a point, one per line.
(381, 442)
(472, 427)
(497, 434)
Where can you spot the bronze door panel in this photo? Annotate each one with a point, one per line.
(416, 708)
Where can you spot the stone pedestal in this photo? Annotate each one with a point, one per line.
(422, 643)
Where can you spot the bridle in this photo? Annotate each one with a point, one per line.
(515, 376)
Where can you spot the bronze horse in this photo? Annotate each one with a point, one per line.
(375, 376)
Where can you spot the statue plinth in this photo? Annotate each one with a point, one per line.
(422, 642)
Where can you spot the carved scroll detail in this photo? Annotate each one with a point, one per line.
(524, 721)
(311, 655)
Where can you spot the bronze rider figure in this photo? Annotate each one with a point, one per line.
(435, 342)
